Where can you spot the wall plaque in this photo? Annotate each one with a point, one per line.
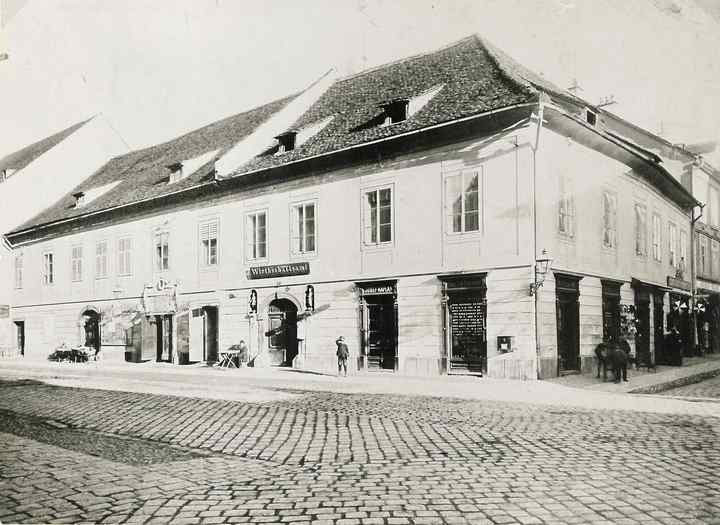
(278, 270)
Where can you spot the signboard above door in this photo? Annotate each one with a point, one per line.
(378, 288)
(278, 270)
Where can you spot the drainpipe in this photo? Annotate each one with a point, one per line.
(536, 333)
(693, 270)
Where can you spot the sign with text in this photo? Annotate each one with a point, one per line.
(379, 289)
(680, 284)
(467, 325)
(278, 270)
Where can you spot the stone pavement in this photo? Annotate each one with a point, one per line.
(348, 458)
(704, 390)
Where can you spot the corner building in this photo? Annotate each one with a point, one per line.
(405, 208)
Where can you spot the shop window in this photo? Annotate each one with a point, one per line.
(48, 268)
(715, 257)
(256, 235)
(77, 263)
(672, 245)
(657, 237)
(609, 219)
(640, 230)
(19, 271)
(162, 251)
(125, 247)
(463, 202)
(209, 244)
(566, 208)
(378, 216)
(304, 228)
(101, 260)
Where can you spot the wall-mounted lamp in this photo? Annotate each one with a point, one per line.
(542, 266)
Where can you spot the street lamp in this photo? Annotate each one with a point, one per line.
(542, 266)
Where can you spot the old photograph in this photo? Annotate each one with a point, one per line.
(360, 262)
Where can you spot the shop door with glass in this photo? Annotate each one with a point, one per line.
(381, 346)
(567, 312)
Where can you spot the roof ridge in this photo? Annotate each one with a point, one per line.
(406, 59)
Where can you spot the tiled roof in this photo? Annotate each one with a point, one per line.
(144, 174)
(475, 78)
(21, 158)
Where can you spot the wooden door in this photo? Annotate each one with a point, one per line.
(659, 329)
(197, 336)
(642, 338)
(567, 313)
(210, 320)
(276, 339)
(20, 332)
(381, 347)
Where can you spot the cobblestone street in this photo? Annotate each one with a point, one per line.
(710, 388)
(83, 455)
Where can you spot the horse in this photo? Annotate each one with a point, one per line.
(611, 355)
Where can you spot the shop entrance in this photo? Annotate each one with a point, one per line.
(611, 309)
(642, 337)
(91, 328)
(567, 313)
(282, 332)
(164, 328)
(465, 322)
(658, 326)
(204, 334)
(378, 310)
(20, 336)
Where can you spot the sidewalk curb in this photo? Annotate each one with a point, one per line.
(675, 383)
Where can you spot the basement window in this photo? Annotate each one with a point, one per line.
(590, 117)
(286, 142)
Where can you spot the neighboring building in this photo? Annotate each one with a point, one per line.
(405, 207)
(33, 178)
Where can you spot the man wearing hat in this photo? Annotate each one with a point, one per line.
(342, 355)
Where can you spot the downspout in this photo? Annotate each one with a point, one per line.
(533, 264)
(693, 271)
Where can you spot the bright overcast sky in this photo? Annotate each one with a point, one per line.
(159, 68)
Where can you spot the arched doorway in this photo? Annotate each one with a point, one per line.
(91, 329)
(282, 332)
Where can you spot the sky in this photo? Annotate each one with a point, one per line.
(156, 69)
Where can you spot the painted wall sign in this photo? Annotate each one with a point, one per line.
(380, 289)
(278, 270)
(680, 284)
(160, 298)
(4, 311)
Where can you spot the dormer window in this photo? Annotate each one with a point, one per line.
(395, 111)
(184, 168)
(590, 117)
(286, 141)
(176, 172)
(79, 199)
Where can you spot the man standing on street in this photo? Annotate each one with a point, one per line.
(342, 355)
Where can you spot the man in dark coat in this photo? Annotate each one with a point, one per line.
(342, 355)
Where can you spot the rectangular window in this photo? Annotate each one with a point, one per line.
(566, 208)
(19, 271)
(77, 263)
(101, 266)
(124, 256)
(256, 234)
(48, 269)
(162, 251)
(715, 257)
(378, 216)
(683, 250)
(672, 245)
(657, 237)
(640, 230)
(304, 223)
(713, 215)
(463, 201)
(609, 219)
(209, 244)
(702, 255)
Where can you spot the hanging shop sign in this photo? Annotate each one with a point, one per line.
(278, 270)
(160, 298)
(680, 284)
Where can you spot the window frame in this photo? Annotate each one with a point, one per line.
(566, 213)
(77, 263)
(640, 236)
(159, 235)
(612, 228)
(203, 255)
(48, 277)
(683, 249)
(105, 275)
(364, 217)
(657, 240)
(295, 235)
(673, 257)
(18, 270)
(250, 244)
(449, 215)
(125, 265)
(702, 257)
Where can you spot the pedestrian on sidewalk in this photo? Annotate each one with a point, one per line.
(342, 355)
